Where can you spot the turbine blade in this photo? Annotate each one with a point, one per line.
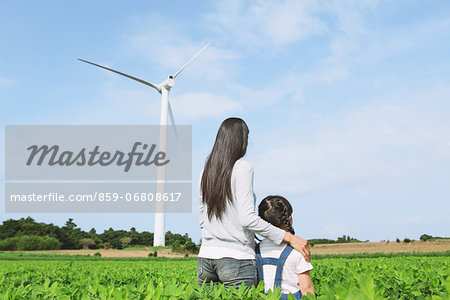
(193, 57)
(172, 120)
(123, 74)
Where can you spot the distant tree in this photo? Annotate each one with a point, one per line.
(397, 240)
(50, 243)
(136, 238)
(426, 237)
(70, 225)
(30, 242)
(341, 239)
(29, 227)
(191, 247)
(69, 236)
(87, 243)
(172, 238)
(126, 240)
(76, 235)
(146, 238)
(113, 237)
(176, 246)
(406, 240)
(321, 241)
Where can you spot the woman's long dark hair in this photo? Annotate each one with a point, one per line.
(230, 145)
(276, 210)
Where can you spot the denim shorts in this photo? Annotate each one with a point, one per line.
(227, 270)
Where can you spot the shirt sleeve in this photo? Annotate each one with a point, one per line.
(245, 201)
(201, 207)
(302, 265)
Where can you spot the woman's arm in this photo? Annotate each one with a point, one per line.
(298, 244)
(247, 217)
(200, 203)
(305, 283)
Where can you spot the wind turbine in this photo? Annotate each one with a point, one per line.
(163, 88)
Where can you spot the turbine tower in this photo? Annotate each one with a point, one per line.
(163, 88)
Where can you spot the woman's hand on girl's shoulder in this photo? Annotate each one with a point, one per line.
(298, 244)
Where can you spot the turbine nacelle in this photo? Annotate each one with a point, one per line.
(168, 83)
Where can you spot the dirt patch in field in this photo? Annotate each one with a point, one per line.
(114, 253)
(387, 247)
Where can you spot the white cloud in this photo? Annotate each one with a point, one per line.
(322, 73)
(334, 230)
(6, 81)
(193, 106)
(261, 25)
(363, 192)
(213, 64)
(119, 104)
(379, 142)
(416, 220)
(289, 87)
(167, 46)
(289, 21)
(358, 42)
(122, 105)
(264, 23)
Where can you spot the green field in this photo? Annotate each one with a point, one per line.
(399, 277)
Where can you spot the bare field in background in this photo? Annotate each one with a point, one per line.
(386, 247)
(165, 252)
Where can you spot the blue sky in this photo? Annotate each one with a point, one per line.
(348, 102)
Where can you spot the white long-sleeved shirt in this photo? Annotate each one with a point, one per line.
(233, 235)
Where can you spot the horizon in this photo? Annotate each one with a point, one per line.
(358, 239)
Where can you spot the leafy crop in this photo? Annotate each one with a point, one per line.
(407, 277)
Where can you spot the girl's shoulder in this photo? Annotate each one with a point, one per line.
(295, 259)
(297, 255)
(270, 247)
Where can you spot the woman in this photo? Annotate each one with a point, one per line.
(227, 213)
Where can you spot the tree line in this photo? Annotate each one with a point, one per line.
(27, 234)
(342, 239)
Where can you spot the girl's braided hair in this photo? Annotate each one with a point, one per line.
(276, 210)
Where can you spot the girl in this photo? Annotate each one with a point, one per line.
(280, 265)
(227, 213)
